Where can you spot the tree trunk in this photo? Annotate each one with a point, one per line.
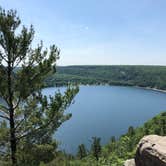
(12, 138)
(11, 112)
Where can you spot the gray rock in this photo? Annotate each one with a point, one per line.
(130, 162)
(151, 151)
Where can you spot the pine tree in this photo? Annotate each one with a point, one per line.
(96, 147)
(27, 115)
(81, 151)
(131, 131)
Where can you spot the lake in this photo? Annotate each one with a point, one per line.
(106, 111)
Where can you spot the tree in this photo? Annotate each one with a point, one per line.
(112, 144)
(113, 139)
(96, 147)
(131, 131)
(27, 115)
(81, 151)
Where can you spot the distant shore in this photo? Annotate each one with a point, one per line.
(105, 84)
(149, 88)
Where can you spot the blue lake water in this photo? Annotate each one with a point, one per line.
(106, 111)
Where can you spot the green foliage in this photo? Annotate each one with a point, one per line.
(143, 76)
(36, 154)
(131, 131)
(82, 152)
(30, 119)
(96, 147)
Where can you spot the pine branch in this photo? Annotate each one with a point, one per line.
(3, 47)
(21, 121)
(3, 58)
(35, 130)
(5, 117)
(4, 110)
(17, 104)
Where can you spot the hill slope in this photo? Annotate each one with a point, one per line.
(144, 76)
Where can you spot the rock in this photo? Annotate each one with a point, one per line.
(130, 162)
(151, 151)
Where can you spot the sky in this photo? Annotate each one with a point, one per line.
(98, 32)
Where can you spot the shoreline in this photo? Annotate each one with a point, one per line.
(153, 89)
(136, 86)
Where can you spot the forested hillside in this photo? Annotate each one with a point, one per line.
(144, 76)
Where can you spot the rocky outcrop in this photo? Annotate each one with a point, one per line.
(151, 151)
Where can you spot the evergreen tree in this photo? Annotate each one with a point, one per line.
(81, 151)
(112, 144)
(163, 126)
(29, 118)
(96, 147)
(113, 139)
(131, 131)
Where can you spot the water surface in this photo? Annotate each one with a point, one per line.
(106, 111)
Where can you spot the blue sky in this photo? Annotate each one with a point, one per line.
(98, 31)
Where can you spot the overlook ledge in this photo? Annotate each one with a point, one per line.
(151, 151)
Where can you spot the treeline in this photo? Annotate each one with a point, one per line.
(143, 76)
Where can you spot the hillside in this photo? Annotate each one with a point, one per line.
(144, 76)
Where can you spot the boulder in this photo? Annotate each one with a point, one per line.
(151, 151)
(130, 162)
